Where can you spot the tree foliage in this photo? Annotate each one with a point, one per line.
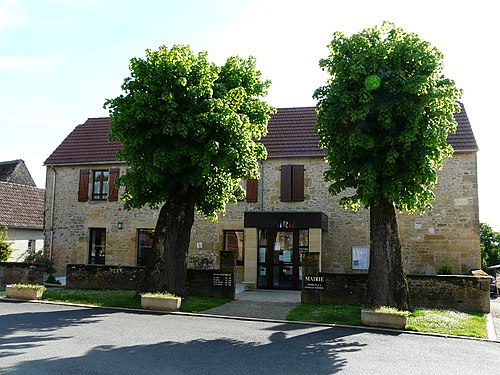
(383, 120)
(384, 116)
(490, 246)
(189, 131)
(186, 123)
(5, 245)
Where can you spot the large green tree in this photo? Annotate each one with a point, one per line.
(490, 246)
(189, 130)
(383, 120)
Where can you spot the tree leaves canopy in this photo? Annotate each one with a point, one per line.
(186, 123)
(384, 117)
(490, 246)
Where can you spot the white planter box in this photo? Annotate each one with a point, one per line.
(372, 318)
(161, 303)
(23, 293)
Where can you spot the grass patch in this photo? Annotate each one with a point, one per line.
(448, 322)
(124, 298)
(196, 304)
(338, 314)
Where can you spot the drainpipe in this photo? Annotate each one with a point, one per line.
(261, 185)
(52, 209)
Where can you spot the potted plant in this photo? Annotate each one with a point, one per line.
(24, 291)
(388, 317)
(160, 301)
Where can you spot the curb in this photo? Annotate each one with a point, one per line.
(489, 321)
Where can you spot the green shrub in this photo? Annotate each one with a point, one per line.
(5, 245)
(445, 269)
(29, 286)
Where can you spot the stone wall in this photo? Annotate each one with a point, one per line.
(21, 273)
(447, 235)
(199, 282)
(461, 292)
(94, 276)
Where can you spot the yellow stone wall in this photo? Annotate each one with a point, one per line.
(448, 235)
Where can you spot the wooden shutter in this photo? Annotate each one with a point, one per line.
(83, 186)
(297, 183)
(286, 183)
(113, 188)
(252, 190)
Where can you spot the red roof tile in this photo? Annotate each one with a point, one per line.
(21, 206)
(87, 143)
(290, 133)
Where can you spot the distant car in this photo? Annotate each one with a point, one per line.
(493, 286)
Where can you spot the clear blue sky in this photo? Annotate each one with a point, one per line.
(60, 59)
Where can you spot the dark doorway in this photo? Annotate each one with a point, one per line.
(280, 258)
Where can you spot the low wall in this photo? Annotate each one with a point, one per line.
(461, 292)
(21, 273)
(199, 282)
(97, 276)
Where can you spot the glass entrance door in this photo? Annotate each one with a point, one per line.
(280, 258)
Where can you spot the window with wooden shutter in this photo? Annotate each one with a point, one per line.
(297, 183)
(292, 183)
(83, 186)
(252, 190)
(113, 188)
(286, 183)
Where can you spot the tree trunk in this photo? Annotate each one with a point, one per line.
(387, 285)
(167, 266)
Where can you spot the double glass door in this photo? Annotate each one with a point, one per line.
(280, 258)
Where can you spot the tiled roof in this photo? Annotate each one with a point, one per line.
(16, 172)
(463, 139)
(290, 133)
(21, 206)
(87, 143)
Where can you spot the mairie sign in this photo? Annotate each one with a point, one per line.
(314, 282)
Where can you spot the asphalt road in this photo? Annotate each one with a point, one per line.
(40, 338)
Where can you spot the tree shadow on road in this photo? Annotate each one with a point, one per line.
(286, 348)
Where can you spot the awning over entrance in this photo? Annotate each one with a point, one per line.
(286, 220)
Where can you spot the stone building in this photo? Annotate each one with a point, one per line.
(287, 212)
(21, 209)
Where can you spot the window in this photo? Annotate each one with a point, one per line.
(233, 241)
(32, 245)
(104, 185)
(97, 246)
(100, 185)
(292, 183)
(144, 245)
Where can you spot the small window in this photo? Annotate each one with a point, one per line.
(233, 241)
(31, 245)
(100, 185)
(97, 246)
(144, 245)
(292, 183)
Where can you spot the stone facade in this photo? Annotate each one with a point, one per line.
(447, 235)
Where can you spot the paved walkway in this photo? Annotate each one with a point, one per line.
(495, 314)
(260, 304)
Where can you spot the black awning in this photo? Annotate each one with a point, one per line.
(286, 220)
